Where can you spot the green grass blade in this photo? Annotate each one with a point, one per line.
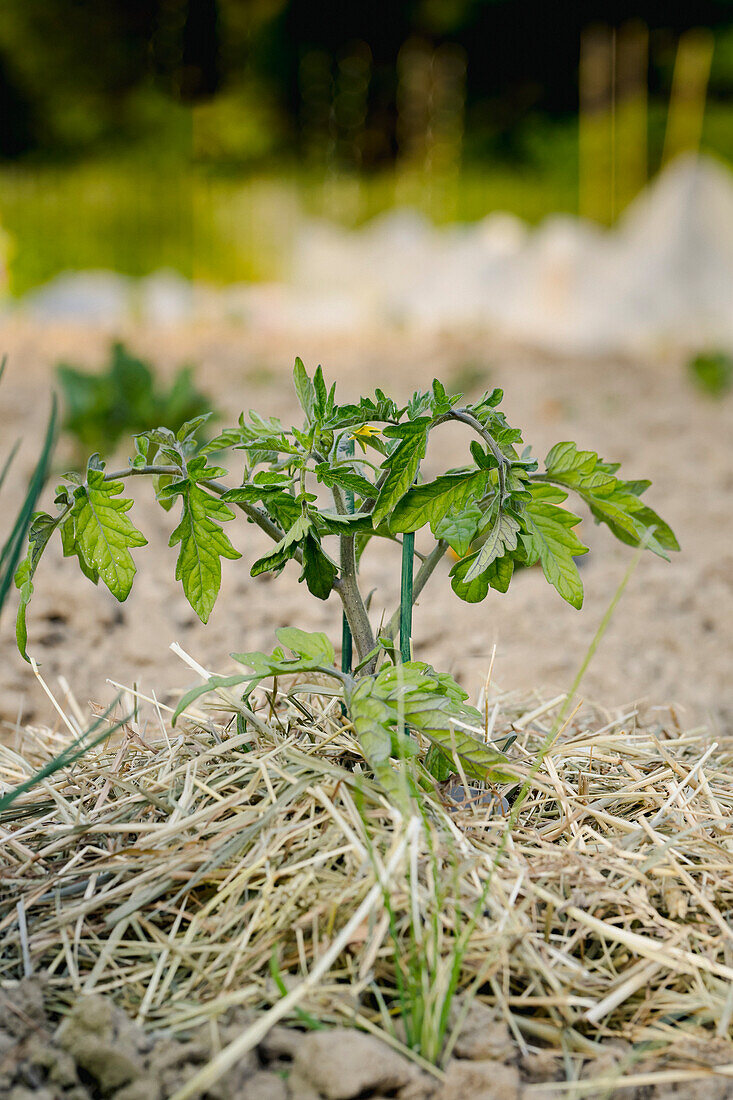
(12, 550)
(9, 461)
(73, 752)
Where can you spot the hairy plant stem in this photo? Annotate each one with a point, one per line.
(355, 610)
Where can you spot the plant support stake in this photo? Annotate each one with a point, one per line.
(408, 558)
(347, 640)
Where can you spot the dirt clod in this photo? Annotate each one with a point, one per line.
(343, 1064)
(103, 1043)
(486, 1080)
(483, 1036)
(263, 1086)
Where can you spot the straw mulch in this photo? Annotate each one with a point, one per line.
(168, 867)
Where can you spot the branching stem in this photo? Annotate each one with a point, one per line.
(466, 417)
(347, 587)
(252, 512)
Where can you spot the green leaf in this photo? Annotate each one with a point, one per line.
(402, 464)
(439, 764)
(501, 538)
(284, 550)
(433, 705)
(432, 501)
(104, 533)
(305, 390)
(187, 431)
(313, 646)
(248, 494)
(663, 537)
(487, 403)
(72, 549)
(479, 760)
(203, 545)
(611, 500)
(211, 684)
(498, 576)
(372, 719)
(460, 529)
(344, 523)
(548, 537)
(319, 572)
(442, 402)
(262, 438)
(712, 372)
(161, 482)
(380, 408)
(580, 470)
(39, 534)
(278, 502)
(345, 477)
(321, 394)
(230, 437)
(124, 399)
(278, 664)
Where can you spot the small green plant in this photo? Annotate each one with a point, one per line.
(101, 408)
(712, 372)
(307, 489)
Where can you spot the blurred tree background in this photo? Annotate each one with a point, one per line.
(135, 134)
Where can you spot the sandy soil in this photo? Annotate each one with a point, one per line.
(669, 640)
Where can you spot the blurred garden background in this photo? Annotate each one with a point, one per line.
(494, 192)
(194, 135)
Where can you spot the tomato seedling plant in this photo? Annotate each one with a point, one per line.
(321, 492)
(103, 407)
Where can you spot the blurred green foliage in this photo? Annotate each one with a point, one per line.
(712, 372)
(222, 229)
(192, 134)
(124, 400)
(227, 81)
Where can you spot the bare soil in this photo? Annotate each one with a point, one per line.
(669, 641)
(96, 1051)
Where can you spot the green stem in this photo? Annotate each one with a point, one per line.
(356, 623)
(466, 417)
(252, 512)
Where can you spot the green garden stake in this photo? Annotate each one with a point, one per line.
(347, 641)
(408, 558)
(347, 645)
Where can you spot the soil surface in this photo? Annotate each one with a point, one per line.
(669, 639)
(96, 1051)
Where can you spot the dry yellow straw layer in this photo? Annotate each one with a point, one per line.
(169, 866)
